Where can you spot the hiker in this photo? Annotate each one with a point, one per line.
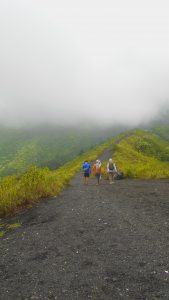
(111, 170)
(86, 168)
(96, 170)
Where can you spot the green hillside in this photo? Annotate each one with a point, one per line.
(45, 147)
(143, 154)
(163, 132)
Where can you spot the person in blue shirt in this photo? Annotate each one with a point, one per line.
(86, 168)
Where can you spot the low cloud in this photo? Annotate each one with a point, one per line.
(94, 62)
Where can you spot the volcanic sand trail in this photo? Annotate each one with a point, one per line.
(107, 242)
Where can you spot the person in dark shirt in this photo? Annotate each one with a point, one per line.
(86, 168)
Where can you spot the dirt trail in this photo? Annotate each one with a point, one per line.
(107, 242)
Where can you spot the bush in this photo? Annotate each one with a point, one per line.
(143, 146)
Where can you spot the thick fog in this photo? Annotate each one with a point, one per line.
(70, 62)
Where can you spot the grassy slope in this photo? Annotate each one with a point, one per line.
(163, 132)
(143, 155)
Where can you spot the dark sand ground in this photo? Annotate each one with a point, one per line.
(107, 242)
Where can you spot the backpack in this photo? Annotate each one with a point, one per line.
(119, 175)
(111, 167)
(97, 168)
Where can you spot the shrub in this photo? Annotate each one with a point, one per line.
(143, 146)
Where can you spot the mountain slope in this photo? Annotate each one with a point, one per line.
(45, 147)
(143, 154)
(163, 132)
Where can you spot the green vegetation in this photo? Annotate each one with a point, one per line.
(163, 132)
(45, 147)
(35, 184)
(14, 225)
(6, 227)
(2, 233)
(143, 154)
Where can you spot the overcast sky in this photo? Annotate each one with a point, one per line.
(66, 62)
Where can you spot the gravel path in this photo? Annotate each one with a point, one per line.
(107, 242)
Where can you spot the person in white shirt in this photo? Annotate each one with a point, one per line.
(111, 170)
